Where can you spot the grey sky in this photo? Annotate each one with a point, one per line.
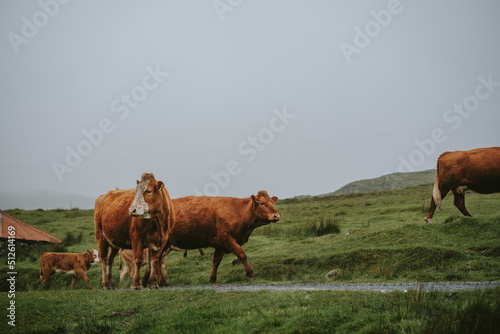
(295, 97)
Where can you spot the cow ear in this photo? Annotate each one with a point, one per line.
(88, 252)
(137, 181)
(254, 198)
(160, 185)
(275, 199)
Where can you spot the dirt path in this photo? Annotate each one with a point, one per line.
(381, 287)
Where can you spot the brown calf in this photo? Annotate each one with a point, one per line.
(75, 264)
(478, 170)
(128, 267)
(127, 255)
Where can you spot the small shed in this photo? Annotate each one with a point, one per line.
(24, 231)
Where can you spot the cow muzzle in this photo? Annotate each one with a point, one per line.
(138, 212)
(274, 217)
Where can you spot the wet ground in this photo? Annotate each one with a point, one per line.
(381, 287)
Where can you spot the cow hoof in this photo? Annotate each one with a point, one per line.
(428, 221)
(252, 278)
(135, 288)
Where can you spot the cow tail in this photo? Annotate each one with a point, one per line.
(436, 193)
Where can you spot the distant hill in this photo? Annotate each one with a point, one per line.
(388, 182)
(44, 200)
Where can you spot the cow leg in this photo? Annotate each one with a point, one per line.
(104, 249)
(44, 276)
(156, 258)
(81, 273)
(109, 266)
(73, 280)
(237, 250)
(153, 263)
(138, 259)
(163, 265)
(145, 277)
(164, 270)
(124, 272)
(218, 255)
(459, 202)
(161, 270)
(202, 253)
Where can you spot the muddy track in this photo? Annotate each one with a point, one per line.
(381, 287)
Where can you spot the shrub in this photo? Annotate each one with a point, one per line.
(70, 239)
(326, 226)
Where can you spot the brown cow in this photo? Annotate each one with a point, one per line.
(224, 223)
(134, 221)
(478, 170)
(75, 264)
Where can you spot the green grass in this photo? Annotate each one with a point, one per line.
(208, 311)
(372, 237)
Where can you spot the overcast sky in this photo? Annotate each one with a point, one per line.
(229, 97)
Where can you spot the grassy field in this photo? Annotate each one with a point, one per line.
(372, 237)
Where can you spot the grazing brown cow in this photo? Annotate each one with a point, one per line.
(224, 223)
(75, 264)
(478, 170)
(134, 221)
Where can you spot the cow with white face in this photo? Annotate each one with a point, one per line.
(134, 219)
(139, 207)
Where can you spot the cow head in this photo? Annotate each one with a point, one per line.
(94, 255)
(264, 207)
(148, 197)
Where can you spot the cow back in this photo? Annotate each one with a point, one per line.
(111, 215)
(202, 221)
(477, 169)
